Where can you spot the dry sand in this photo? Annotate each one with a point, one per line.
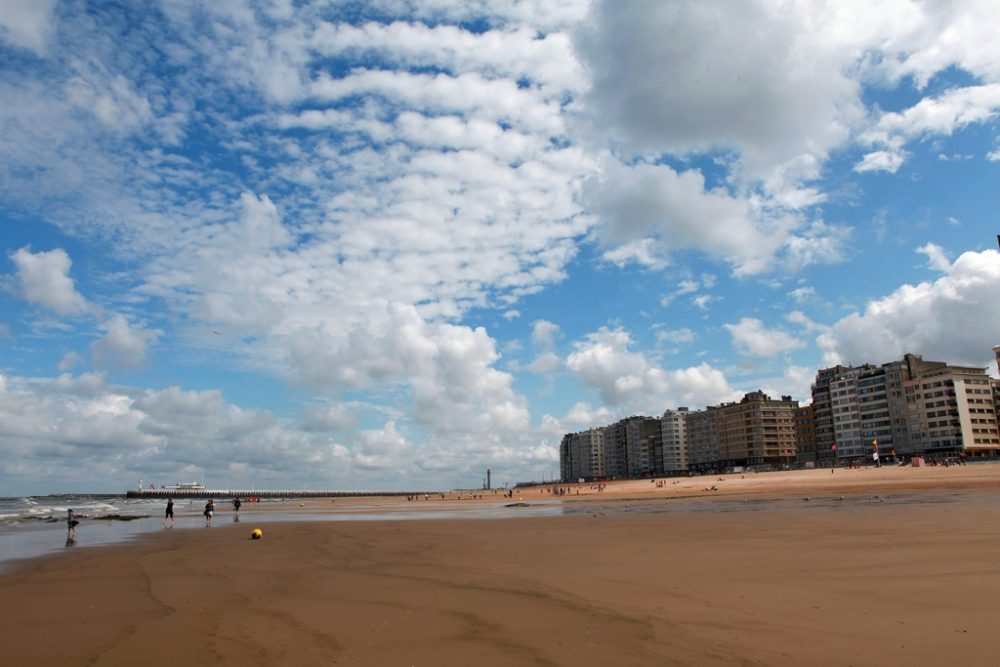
(913, 581)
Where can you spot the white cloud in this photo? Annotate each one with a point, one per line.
(578, 418)
(44, 279)
(27, 23)
(952, 319)
(645, 204)
(751, 337)
(943, 115)
(111, 99)
(122, 346)
(803, 294)
(629, 380)
(544, 335)
(68, 361)
(381, 449)
(889, 161)
(764, 79)
(330, 417)
(675, 336)
(937, 259)
(684, 287)
(702, 301)
(993, 156)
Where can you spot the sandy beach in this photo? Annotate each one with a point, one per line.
(904, 569)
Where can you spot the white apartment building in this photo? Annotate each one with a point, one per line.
(673, 439)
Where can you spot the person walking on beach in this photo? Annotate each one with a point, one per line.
(209, 511)
(169, 514)
(71, 524)
(236, 510)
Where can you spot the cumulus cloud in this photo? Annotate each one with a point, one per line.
(751, 337)
(675, 210)
(78, 428)
(381, 448)
(544, 335)
(396, 175)
(626, 379)
(330, 417)
(122, 346)
(68, 361)
(937, 259)
(942, 115)
(44, 279)
(952, 319)
(759, 79)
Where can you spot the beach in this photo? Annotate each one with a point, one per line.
(857, 567)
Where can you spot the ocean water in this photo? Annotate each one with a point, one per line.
(36, 526)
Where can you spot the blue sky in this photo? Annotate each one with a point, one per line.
(390, 244)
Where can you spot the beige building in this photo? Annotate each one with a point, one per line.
(952, 412)
(758, 431)
(905, 407)
(581, 455)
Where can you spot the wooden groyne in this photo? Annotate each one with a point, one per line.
(264, 493)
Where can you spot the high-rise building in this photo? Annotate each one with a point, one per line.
(757, 431)
(904, 407)
(703, 443)
(805, 435)
(823, 408)
(674, 441)
(629, 446)
(581, 455)
(952, 411)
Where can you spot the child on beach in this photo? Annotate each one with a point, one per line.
(71, 524)
(209, 511)
(169, 514)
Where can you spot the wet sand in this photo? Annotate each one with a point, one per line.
(915, 580)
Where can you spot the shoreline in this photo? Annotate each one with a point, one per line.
(41, 540)
(869, 583)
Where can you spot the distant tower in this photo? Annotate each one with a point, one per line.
(489, 474)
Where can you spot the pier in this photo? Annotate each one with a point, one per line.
(264, 493)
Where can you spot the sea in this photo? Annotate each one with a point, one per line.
(35, 526)
(32, 526)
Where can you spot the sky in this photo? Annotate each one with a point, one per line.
(391, 244)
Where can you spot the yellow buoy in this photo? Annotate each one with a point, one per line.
(256, 534)
(302, 504)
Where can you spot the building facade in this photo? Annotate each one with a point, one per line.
(581, 455)
(674, 442)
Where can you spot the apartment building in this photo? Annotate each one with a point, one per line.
(823, 409)
(581, 455)
(805, 435)
(674, 441)
(757, 431)
(703, 443)
(952, 411)
(905, 407)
